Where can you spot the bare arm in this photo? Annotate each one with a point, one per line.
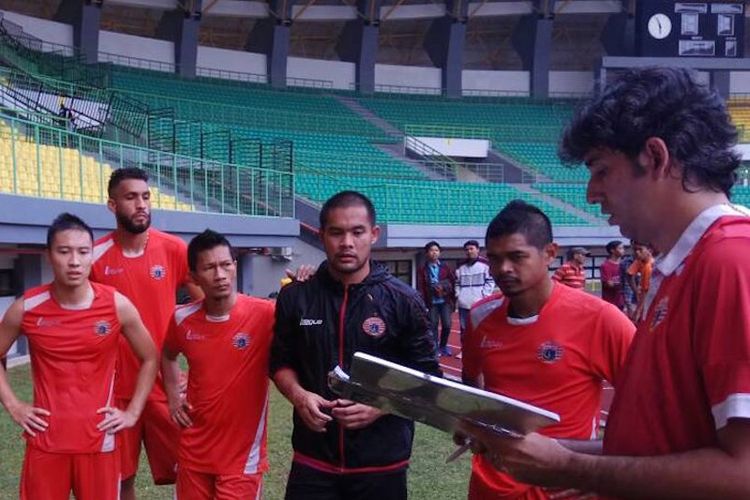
(309, 406)
(717, 472)
(178, 406)
(25, 415)
(145, 350)
(586, 446)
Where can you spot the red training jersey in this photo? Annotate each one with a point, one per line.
(688, 372)
(556, 360)
(227, 385)
(73, 356)
(150, 281)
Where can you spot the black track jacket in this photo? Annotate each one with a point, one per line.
(319, 325)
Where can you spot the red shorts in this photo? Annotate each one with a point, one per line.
(194, 485)
(160, 436)
(52, 476)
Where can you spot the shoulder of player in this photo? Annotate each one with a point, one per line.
(166, 239)
(103, 245)
(484, 307)
(398, 288)
(184, 311)
(255, 303)
(575, 301)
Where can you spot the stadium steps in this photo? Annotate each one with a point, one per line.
(561, 204)
(369, 116)
(396, 150)
(515, 171)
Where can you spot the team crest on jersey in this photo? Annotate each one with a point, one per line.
(549, 352)
(102, 328)
(660, 313)
(374, 326)
(241, 341)
(158, 272)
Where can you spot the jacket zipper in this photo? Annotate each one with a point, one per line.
(342, 314)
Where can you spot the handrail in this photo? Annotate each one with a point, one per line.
(195, 184)
(456, 131)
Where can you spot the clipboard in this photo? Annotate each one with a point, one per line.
(434, 401)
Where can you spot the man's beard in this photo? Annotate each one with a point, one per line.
(132, 227)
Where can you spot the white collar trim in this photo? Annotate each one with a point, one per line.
(693, 233)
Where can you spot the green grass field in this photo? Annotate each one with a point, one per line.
(428, 474)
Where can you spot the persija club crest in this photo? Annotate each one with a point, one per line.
(549, 352)
(374, 326)
(158, 272)
(102, 328)
(241, 341)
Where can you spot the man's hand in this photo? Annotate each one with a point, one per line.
(534, 458)
(115, 419)
(180, 410)
(353, 415)
(29, 417)
(310, 407)
(303, 272)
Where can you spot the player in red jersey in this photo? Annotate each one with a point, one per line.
(539, 341)
(679, 426)
(226, 339)
(73, 327)
(147, 266)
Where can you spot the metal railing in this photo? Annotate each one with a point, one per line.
(49, 162)
(454, 131)
(431, 158)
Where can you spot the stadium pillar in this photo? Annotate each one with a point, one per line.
(186, 41)
(720, 81)
(618, 35)
(85, 16)
(358, 43)
(532, 39)
(28, 271)
(444, 43)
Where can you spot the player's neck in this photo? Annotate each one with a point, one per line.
(354, 278)
(220, 306)
(531, 301)
(73, 297)
(131, 243)
(614, 259)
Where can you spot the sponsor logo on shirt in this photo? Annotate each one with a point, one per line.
(111, 271)
(310, 322)
(660, 313)
(158, 272)
(191, 335)
(549, 352)
(241, 341)
(46, 322)
(490, 344)
(102, 328)
(374, 326)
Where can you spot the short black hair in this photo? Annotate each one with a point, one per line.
(668, 103)
(471, 242)
(207, 240)
(346, 199)
(612, 245)
(121, 174)
(431, 244)
(64, 222)
(522, 218)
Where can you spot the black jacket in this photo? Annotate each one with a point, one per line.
(380, 316)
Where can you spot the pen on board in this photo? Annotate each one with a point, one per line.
(458, 451)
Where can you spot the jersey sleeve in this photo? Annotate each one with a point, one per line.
(181, 264)
(470, 353)
(721, 333)
(610, 342)
(171, 341)
(285, 325)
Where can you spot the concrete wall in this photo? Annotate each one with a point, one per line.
(262, 273)
(231, 60)
(410, 76)
(514, 82)
(340, 74)
(49, 31)
(135, 46)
